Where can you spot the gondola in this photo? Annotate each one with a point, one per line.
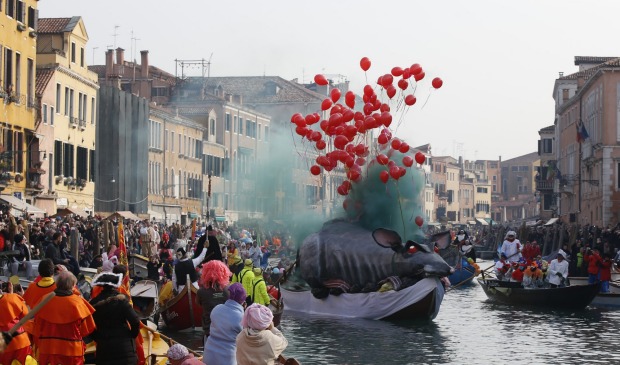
(419, 301)
(569, 297)
(182, 312)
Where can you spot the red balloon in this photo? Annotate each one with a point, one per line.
(342, 190)
(384, 176)
(335, 94)
(365, 63)
(360, 161)
(360, 149)
(384, 108)
(321, 144)
(404, 148)
(340, 142)
(382, 139)
(310, 119)
(386, 119)
(410, 100)
(402, 171)
(320, 80)
(302, 131)
(415, 69)
(395, 172)
(315, 170)
(420, 158)
(406, 73)
(407, 161)
(397, 71)
(390, 91)
(368, 90)
(419, 221)
(419, 76)
(382, 159)
(387, 80)
(437, 82)
(403, 84)
(326, 104)
(349, 99)
(396, 143)
(324, 124)
(296, 118)
(354, 175)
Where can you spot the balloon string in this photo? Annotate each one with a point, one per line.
(400, 206)
(428, 97)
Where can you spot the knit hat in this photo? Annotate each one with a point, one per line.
(237, 293)
(177, 352)
(257, 317)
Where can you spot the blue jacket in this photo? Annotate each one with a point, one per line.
(220, 347)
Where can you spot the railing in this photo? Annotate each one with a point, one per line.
(544, 185)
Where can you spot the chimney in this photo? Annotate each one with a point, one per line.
(144, 64)
(237, 99)
(109, 62)
(120, 56)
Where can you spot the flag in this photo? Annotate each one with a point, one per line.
(122, 259)
(582, 133)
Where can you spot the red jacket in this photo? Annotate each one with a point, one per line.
(606, 270)
(593, 261)
(517, 275)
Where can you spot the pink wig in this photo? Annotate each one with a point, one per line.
(215, 272)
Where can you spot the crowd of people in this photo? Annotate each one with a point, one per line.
(231, 266)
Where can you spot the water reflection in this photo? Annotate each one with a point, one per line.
(468, 330)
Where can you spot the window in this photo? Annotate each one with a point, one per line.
(58, 89)
(44, 112)
(58, 158)
(235, 126)
(494, 177)
(67, 161)
(33, 17)
(212, 127)
(30, 85)
(241, 126)
(92, 110)
(166, 140)
(84, 110)
(227, 122)
(172, 142)
(72, 52)
(91, 166)
(71, 103)
(18, 74)
(20, 13)
(259, 128)
(51, 115)
(547, 145)
(10, 8)
(266, 133)
(66, 100)
(565, 94)
(514, 168)
(482, 190)
(82, 163)
(82, 56)
(80, 110)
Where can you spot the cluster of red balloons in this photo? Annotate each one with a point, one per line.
(345, 129)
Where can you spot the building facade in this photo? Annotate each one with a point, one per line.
(19, 144)
(67, 95)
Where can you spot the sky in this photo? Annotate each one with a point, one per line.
(498, 59)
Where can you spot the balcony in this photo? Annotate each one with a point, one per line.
(544, 184)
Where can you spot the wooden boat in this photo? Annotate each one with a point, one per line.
(419, 301)
(569, 297)
(182, 312)
(614, 287)
(155, 346)
(606, 300)
(462, 276)
(145, 296)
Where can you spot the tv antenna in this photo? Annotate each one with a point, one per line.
(204, 65)
(115, 34)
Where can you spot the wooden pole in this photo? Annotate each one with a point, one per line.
(32, 312)
(188, 286)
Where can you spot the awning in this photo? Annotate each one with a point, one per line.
(21, 206)
(436, 224)
(482, 221)
(68, 211)
(471, 222)
(125, 214)
(193, 215)
(551, 221)
(220, 218)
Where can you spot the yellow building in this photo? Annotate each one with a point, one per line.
(175, 180)
(18, 142)
(67, 93)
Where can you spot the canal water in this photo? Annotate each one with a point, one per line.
(468, 330)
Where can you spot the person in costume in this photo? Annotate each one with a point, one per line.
(220, 346)
(186, 266)
(260, 342)
(209, 240)
(593, 258)
(214, 279)
(606, 265)
(43, 286)
(558, 270)
(502, 266)
(518, 271)
(232, 252)
(511, 247)
(245, 276)
(23, 258)
(60, 326)
(533, 276)
(12, 309)
(117, 323)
